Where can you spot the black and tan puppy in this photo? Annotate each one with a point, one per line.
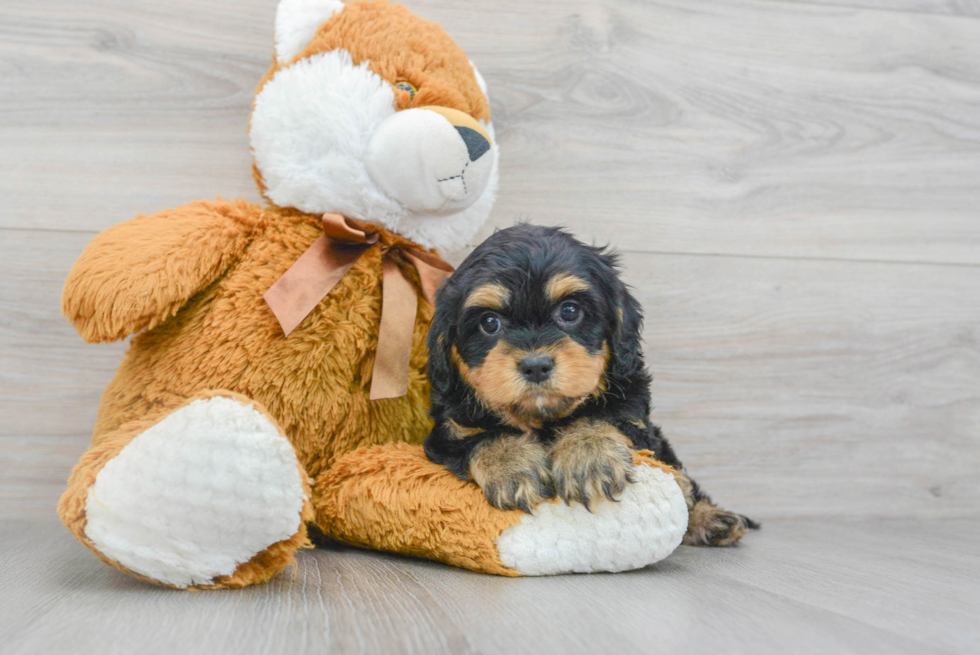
(539, 388)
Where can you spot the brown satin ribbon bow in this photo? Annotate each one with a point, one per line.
(324, 264)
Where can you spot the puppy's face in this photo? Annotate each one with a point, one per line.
(534, 325)
(533, 351)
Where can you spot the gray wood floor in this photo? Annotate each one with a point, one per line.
(799, 587)
(795, 186)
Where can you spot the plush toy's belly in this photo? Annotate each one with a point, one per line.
(315, 382)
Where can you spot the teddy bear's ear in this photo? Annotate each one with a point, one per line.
(296, 23)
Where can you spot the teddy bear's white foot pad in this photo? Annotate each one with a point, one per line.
(645, 526)
(202, 491)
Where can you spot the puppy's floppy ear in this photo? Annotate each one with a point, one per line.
(626, 352)
(442, 335)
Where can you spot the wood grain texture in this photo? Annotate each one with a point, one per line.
(34, 471)
(813, 388)
(815, 587)
(953, 7)
(771, 128)
(738, 126)
(50, 381)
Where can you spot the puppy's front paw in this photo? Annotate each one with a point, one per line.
(512, 472)
(590, 459)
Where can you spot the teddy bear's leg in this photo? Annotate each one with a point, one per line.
(393, 498)
(209, 495)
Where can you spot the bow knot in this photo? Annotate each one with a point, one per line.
(327, 261)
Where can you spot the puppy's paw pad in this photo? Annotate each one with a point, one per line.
(197, 494)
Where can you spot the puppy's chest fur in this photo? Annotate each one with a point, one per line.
(469, 428)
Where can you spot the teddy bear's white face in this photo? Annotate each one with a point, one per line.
(327, 137)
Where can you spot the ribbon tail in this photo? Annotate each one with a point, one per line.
(308, 280)
(399, 304)
(432, 271)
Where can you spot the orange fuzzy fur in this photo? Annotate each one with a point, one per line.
(429, 513)
(223, 256)
(315, 383)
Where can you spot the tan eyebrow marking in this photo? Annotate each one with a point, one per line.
(492, 296)
(563, 284)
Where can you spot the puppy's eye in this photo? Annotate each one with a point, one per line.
(569, 313)
(490, 324)
(407, 87)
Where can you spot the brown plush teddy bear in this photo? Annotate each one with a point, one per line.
(276, 376)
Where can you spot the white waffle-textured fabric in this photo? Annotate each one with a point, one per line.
(644, 527)
(197, 494)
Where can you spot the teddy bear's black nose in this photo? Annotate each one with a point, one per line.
(536, 367)
(475, 142)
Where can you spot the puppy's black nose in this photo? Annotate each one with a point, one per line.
(536, 367)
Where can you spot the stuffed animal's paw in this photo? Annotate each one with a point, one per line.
(195, 496)
(394, 498)
(645, 526)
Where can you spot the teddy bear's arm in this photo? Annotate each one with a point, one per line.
(139, 273)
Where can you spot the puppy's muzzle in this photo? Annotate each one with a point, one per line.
(536, 367)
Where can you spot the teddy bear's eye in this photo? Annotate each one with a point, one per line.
(408, 87)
